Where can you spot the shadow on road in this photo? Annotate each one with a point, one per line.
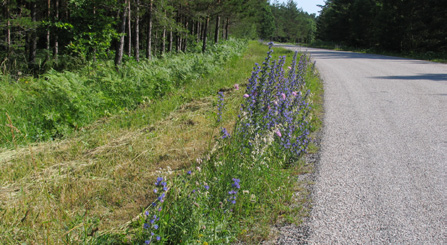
(332, 54)
(431, 77)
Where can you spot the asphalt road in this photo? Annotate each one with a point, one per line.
(382, 175)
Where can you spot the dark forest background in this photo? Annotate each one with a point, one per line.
(391, 25)
(36, 35)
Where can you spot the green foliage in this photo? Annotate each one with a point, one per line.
(402, 26)
(292, 24)
(92, 34)
(277, 22)
(267, 22)
(57, 103)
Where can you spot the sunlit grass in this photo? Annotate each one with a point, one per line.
(98, 178)
(94, 185)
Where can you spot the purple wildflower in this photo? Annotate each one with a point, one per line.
(236, 183)
(220, 106)
(224, 133)
(278, 133)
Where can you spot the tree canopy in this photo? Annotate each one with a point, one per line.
(394, 25)
(35, 34)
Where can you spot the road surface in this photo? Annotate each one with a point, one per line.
(382, 175)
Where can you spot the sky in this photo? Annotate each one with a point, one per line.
(309, 6)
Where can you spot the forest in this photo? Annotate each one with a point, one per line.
(36, 35)
(392, 25)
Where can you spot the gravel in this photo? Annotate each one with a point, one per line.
(382, 172)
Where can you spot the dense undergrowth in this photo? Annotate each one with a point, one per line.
(56, 103)
(247, 180)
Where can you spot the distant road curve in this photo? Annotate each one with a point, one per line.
(382, 175)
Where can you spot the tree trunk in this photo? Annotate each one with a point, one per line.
(223, 29)
(121, 32)
(170, 40)
(33, 39)
(205, 33)
(137, 30)
(56, 37)
(177, 36)
(216, 31)
(155, 43)
(163, 45)
(94, 48)
(48, 29)
(198, 31)
(193, 28)
(227, 28)
(8, 30)
(163, 37)
(149, 32)
(129, 29)
(184, 42)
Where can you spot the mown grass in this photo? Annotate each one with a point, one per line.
(98, 177)
(429, 56)
(94, 185)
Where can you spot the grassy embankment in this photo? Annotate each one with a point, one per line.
(88, 186)
(57, 103)
(429, 56)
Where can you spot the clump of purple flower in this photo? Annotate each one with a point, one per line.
(150, 225)
(224, 133)
(220, 104)
(233, 193)
(274, 104)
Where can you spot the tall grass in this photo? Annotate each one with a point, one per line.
(56, 103)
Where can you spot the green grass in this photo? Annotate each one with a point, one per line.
(93, 185)
(58, 103)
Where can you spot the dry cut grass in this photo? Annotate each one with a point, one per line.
(63, 191)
